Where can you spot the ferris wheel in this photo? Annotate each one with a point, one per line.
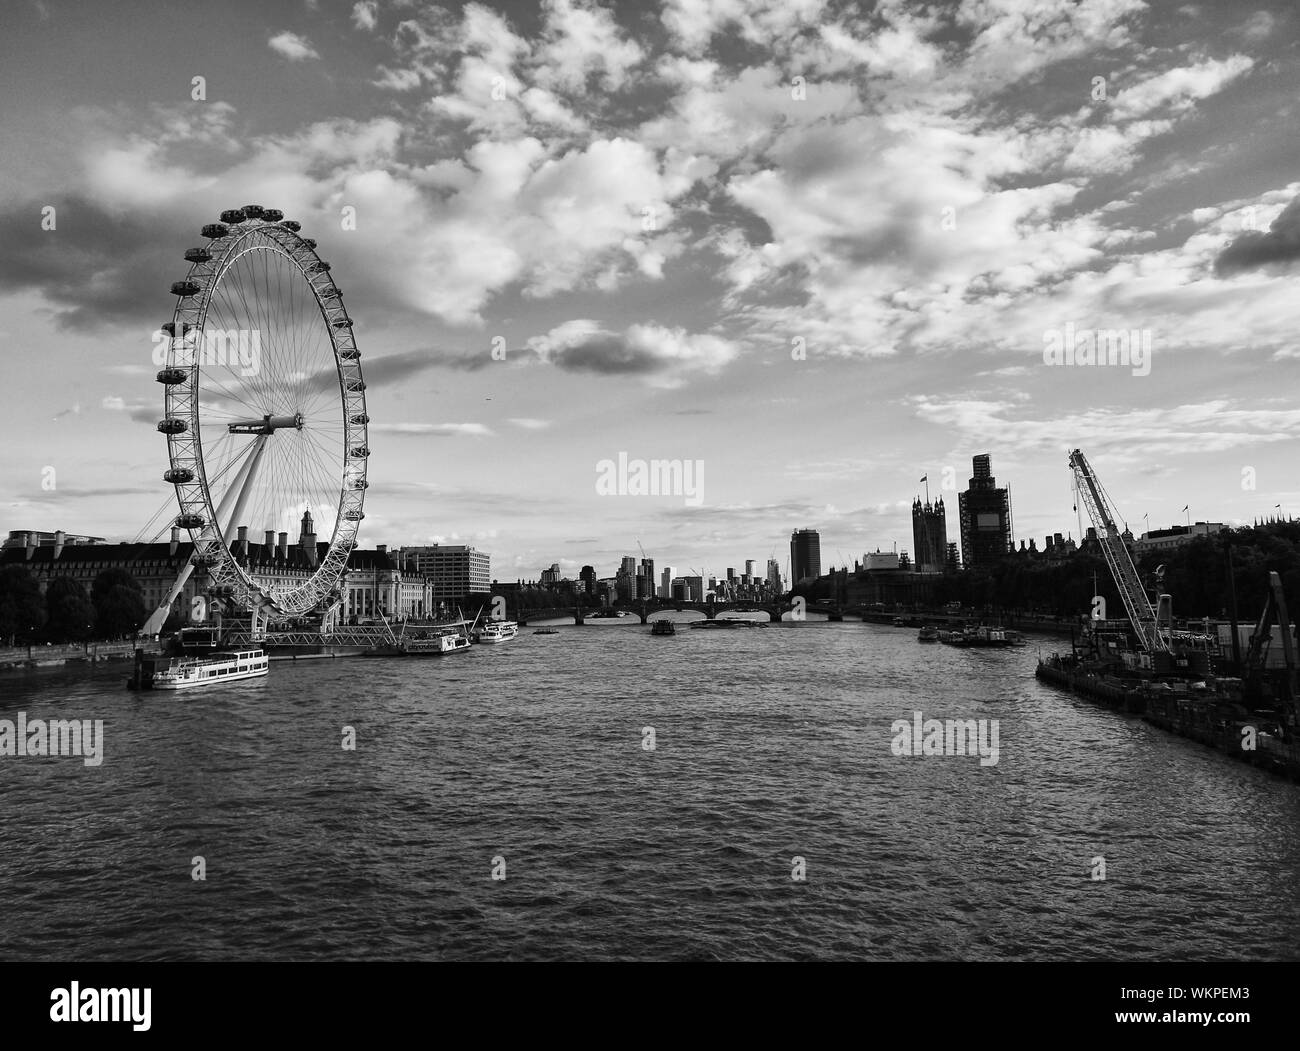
(265, 413)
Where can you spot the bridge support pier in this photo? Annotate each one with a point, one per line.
(577, 616)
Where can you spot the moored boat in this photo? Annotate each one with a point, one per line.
(929, 633)
(184, 673)
(498, 631)
(663, 627)
(437, 642)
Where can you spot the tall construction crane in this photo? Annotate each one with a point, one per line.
(1141, 614)
(1256, 656)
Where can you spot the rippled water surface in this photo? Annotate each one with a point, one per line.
(771, 743)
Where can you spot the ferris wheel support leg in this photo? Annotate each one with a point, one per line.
(242, 485)
(237, 494)
(154, 624)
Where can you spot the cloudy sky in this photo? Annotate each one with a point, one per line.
(819, 246)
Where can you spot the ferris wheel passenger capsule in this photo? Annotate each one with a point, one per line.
(233, 216)
(171, 377)
(173, 425)
(185, 288)
(253, 211)
(197, 255)
(190, 521)
(272, 215)
(178, 475)
(214, 230)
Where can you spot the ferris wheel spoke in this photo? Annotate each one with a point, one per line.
(249, 316)
(312, 467)
(255, 399)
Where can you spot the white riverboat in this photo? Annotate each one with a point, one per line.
(435, 642)
(185, 673)
(498, 631)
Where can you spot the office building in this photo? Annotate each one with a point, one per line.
(454, 570)
(805, 555)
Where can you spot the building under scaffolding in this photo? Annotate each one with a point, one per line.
(985, 512)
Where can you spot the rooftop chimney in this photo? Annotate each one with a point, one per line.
(31, 545)
(243, 542)
(382, 548)
(268, 546)
(60, 538)
(176, 539)
(283, 553)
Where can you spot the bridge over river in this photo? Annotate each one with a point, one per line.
(647, 611)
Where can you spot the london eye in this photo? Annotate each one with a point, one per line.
(264, 410)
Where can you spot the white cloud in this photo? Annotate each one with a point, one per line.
(474, 430)
(292, 46)
(1178, 90)
(579, 41)
(364, 14)
(662, 356)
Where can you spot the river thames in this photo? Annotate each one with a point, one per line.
(529, 760)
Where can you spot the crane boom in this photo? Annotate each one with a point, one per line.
(1141, 613)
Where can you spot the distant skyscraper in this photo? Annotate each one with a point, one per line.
(588, 578)
(666, 582)
(929, 535)
(646, 580)
(625, 578)
(774, 574)
(805, 555)
(985, 512)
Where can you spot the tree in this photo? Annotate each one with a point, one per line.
(69, 613)
(108, 580)
(22, 611)
(119, 604)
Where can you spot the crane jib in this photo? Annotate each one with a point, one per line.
(1141, 614)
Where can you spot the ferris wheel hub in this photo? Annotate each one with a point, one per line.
(267, 424)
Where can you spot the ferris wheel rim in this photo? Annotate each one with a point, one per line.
(187, 464)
